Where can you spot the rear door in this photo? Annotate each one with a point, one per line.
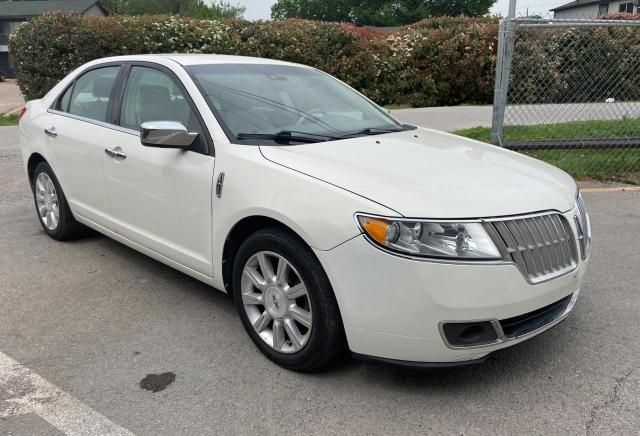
(161, 198)
(75, 127)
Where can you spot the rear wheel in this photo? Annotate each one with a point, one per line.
(51, 205)
(285, 301)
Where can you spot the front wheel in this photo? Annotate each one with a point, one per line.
(285, 301)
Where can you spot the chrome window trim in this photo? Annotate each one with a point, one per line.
(497, 262)
(502, 338)
(95, 122)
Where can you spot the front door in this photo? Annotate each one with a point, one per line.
(161, 198)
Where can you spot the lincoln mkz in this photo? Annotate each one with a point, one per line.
(334, 226)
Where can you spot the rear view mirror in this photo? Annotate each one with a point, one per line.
(166, 134)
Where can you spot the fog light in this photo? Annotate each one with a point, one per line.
(466, 334)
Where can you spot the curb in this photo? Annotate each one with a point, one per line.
(616, 189)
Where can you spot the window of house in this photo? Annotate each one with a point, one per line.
(626, 7)
(603, 9)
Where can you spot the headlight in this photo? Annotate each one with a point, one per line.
(583, 225)
(436, 239)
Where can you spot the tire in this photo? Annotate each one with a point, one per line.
(65, 227)
(325, 339)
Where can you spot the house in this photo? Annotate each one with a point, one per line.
(12, 13)
(594, 8)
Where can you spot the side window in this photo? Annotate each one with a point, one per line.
(91, 93)
(151, 95)
(63, 101)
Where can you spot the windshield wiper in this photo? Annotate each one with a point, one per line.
(378, 131)
(373, 131)
(288, 136)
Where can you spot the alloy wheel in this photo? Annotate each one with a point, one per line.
(276, 302)
(47, 201)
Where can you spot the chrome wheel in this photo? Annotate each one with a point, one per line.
(47, 201)
(276, 302)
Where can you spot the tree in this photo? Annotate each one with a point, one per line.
(378, 12)
(189, 8)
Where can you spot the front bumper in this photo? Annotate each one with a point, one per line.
(393, 308)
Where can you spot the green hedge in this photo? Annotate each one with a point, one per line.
(442, 61)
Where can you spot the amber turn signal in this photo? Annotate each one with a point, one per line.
(376, 228)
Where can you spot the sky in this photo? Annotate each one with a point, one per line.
(261, 9)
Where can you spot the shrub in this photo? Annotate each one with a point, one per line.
(621, 16)
(440, 61)
(47, 48)
(576, 64)
(459, 55)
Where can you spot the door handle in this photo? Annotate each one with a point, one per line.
(115, 153)
(51, 132)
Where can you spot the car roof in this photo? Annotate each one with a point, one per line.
(187, 59)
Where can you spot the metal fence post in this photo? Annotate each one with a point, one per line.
(497, 121)
(506, 40)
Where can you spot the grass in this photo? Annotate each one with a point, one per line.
(620, 165)
(11, 120)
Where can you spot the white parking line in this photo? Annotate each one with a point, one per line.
(30, 393)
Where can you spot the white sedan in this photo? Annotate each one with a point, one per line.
(334, 226)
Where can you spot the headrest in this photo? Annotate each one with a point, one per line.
(155, 93)
(102, 87)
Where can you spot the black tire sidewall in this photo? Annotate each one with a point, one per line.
(67, 226)
(326, 336)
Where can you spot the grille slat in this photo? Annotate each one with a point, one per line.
(559, 228)
(522, 246)
(550, 244)
(554, 250)
(510, 242)
(541, 246)
(569, 243)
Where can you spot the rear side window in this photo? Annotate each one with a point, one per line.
(63, 101)
(91, 93)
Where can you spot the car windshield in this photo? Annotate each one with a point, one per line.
(271, 104)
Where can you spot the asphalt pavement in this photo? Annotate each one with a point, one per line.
(90, 329)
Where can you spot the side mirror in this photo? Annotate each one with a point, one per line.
(166, 134)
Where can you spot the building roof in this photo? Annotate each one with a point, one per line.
(23, 9)
(577, 4)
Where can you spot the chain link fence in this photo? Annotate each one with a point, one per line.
(568, 92)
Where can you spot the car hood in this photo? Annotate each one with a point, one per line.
(430, 174)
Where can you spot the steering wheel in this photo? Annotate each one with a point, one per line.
(316, 112)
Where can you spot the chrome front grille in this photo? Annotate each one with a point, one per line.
(541, 246)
